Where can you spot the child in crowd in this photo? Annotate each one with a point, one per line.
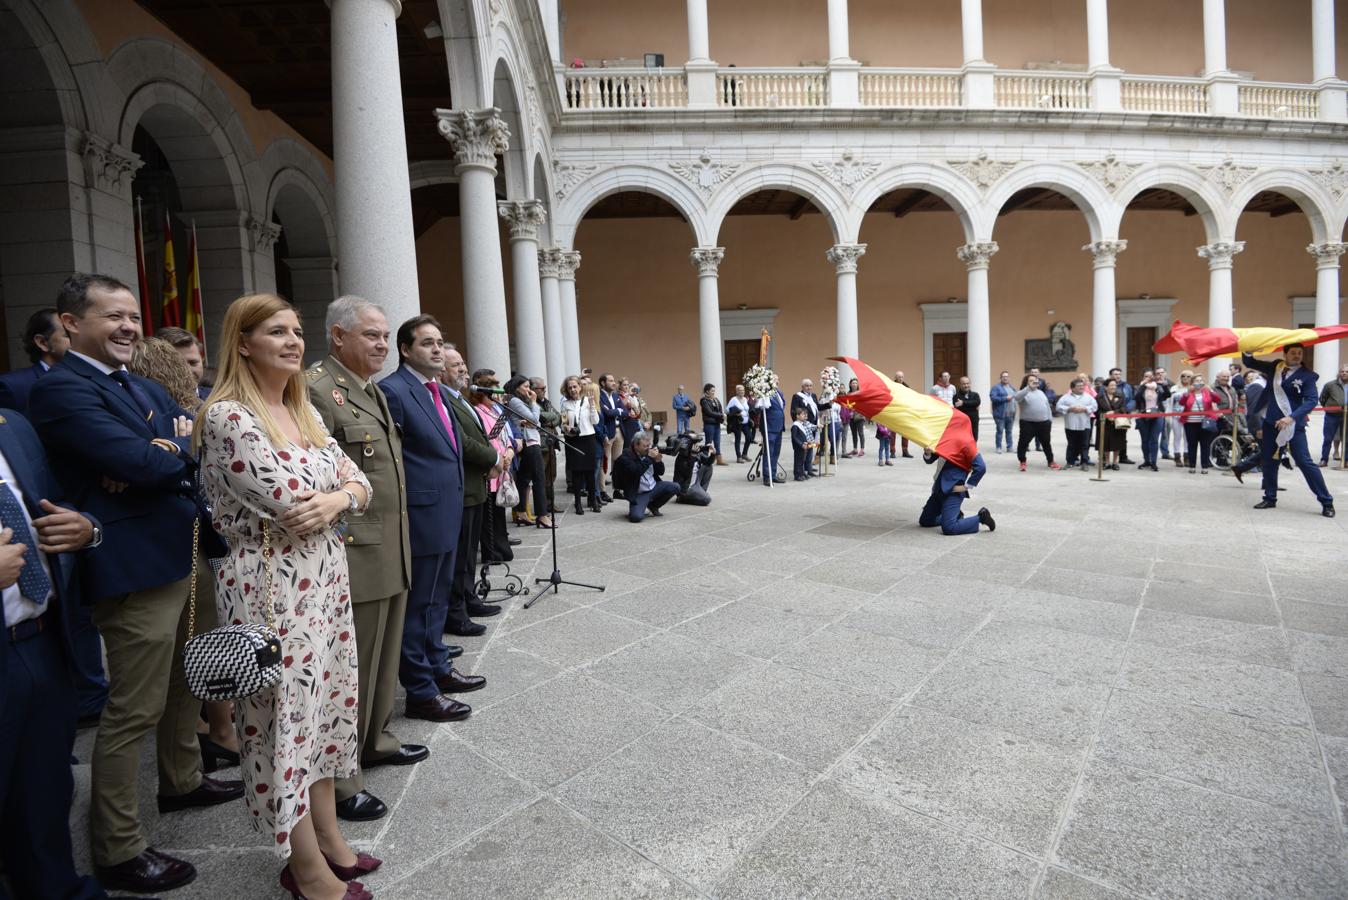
(803, 442)
(883, 436)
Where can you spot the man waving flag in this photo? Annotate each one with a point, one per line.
(1202, 344)
(917, 417)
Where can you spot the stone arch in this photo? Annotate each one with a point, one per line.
(1218, 224)
(1298, 187)
(678, 193)
(542, 190)
(467, 34)
(506, 96)
(1088, 194)
(304, 255)
(957, 192)
(786, 177)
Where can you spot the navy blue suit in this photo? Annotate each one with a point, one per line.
(37, 706)
(434, 468)
(611, 412)
(943, 506)
(774, 423)
(1302, 397)
(15, 386)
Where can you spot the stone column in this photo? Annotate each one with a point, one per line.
(1221, 311)
(699, 70)
(1105, 90)
(524, 218)
(708, 262)
(568, 261)
(554, 335)
(699, 41)
(978, 84)
(975, 258)
(553, 31)
(1327, 255)
(1223, 92)
(1104, 318)
(313, 285)
(375, 238)
(844, 258)
(1323, 69)
(477, 137)
(843, 71)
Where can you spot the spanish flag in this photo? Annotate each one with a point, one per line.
(918, 417)
(196, 323)
(171, 313)
(1202, 344)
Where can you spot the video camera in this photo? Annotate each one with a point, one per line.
(694, 465)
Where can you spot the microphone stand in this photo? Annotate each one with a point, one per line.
(555, 580)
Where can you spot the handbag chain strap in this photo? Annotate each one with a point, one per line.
(267, 558)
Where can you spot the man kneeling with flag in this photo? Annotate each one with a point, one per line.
(948, 490)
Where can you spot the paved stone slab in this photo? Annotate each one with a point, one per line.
(1207, 600)
(664, 604)
(578, 637)
(1321, 618)
(940, 623)
(1211, 570)
(1214, 682)
(1322, 654)
(670, 671)
(750, 629)
(1336, 758)
(1328, 699)
(1079, 656)
(508, 671)
(1263, 645)
(1092, 585)
(1069, 613)
(865, 661)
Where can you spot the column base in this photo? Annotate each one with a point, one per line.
(701, 77)
(844, 83)
(1106, 90)
(1223, 94)
(979, 91)
(1333, 100)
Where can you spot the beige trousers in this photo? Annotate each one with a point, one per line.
(379, 642)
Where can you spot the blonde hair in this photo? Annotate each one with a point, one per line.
(235, 380)
(158, 360)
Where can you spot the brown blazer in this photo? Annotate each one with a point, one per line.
(378, 554)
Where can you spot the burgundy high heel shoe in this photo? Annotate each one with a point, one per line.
(354, 890)
(365, 864)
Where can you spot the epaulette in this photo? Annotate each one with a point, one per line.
(314, 371)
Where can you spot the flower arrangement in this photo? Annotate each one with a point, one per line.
(760, 381)
(830, 383)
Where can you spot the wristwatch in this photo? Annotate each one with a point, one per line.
(351, 507)
(96, 539)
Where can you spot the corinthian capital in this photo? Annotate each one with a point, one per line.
(477, 136)
(1221, 254)
(550, 263)
(110, 166)
(844, 256)
(1105, 252)
(707, 259)
(524, 216)
(977, 255)
(568, 261)
(1327, 254)
(263, 235)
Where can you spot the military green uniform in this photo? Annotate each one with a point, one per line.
(377, 551)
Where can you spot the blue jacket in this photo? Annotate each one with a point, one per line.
(611, 410)
(775, 415)
(1130, 402)
(16, 386)
(93, 430)
(433, 466)
(952, 474)
(1300, 388)
(1003, 406)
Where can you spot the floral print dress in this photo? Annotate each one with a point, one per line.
(303, 729)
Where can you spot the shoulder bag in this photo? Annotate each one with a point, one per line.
(507, 495)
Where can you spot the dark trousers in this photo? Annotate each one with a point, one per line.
(1040, 432)
(1200, 444)
(424, 654)
(91, 683)
(584, 481)
(1150, 431)
(772, 451)
(1300, 455)
(800, 461)
(465, 565)
(1333, 432)
(858, 435)
(944, 510)
(712, 434)
(1078, 446)
(37, 732)
(531, 477)
(494, 534)
(663, 492)
(741, 435)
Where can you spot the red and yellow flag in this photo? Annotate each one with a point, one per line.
(171, 313)
(1202, 344)
(918, 417)
(196, 322)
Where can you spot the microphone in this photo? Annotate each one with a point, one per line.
(487, 390)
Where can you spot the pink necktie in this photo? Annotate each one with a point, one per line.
(444, 415)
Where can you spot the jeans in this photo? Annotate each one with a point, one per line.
(885, 451)
(712, 433)
(1150, 430)
(663, 492)
(1040, 433)
(1004, 425)
(1333, 431)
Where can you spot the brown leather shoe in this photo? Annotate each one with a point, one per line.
(439, 709)
(208, 793)
(456, 683)
(150, 872)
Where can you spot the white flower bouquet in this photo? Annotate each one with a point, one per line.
(830, 383)
(760, 381)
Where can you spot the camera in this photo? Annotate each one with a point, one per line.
(694, 465)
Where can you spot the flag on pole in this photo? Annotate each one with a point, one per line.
(1202, 344)
(171, 310)
(926, 420)
(142, 280)
(196, 322)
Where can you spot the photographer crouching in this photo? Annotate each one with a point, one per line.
(694, 465)
(637, 473)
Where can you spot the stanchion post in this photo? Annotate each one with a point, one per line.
(1100, 451)
(1343, 434)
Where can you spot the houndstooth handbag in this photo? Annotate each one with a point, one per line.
(234, 661)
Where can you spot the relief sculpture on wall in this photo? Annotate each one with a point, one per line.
(1056, 353)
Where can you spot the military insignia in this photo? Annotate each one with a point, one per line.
(338, 398)
(369, 450)
(2, 420)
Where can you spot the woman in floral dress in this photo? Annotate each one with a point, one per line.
(277, 480)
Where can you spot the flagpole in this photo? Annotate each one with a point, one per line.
(142, 278)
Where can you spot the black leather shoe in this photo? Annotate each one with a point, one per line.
(604, 497)
(514, 541)
(208, 793)
(439, 709)
(465, 629)
(453, 651)
(1240, 476)
(149, 872)
(361, 807)
(406, 755)
(456, 683)
(1266, 504)
(986, 518)
(1287, 463)
(482, 610)
(1327, 511)
(213, 756)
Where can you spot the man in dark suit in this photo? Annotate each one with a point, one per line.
(949, 490)
(611, 411)
(807, 400)
(377, 551)
(37, 695)
(637, 473)
(967, 401)
(1288, 399)
(773, 411)
(45, 341)
(121, 448)
(432, 458)
(480, 462)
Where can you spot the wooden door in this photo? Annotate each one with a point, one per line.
(1140, 355)
(949, 353)
(740, 356)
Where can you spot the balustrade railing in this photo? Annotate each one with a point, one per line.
(1164, 95)
(772, 88)
(1041, 90)
(626, 89)
(903, 88)
(1279, 101)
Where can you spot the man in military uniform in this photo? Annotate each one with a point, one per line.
(377, 550)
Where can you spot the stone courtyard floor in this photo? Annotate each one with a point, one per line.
(1131, 688)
